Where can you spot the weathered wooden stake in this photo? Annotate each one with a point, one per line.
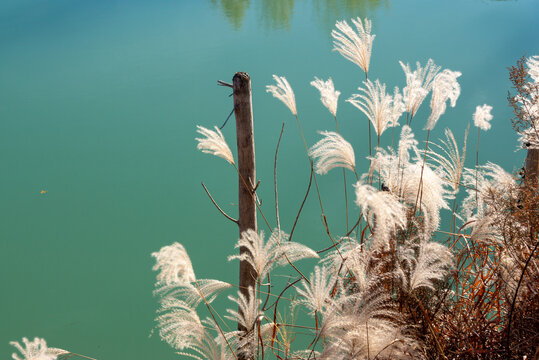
(246, 166)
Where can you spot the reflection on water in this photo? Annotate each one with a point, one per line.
(328, 12)
(234, 10)
(277, 14)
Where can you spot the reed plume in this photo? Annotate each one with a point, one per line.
(331, 152)
(431, 264)
(445, 87)
(328, 95)
(418, 84)
(356, 47)
(174, 265)
(382, 109)
(490, 178)
(482, 117)
(283, 92)
(533, 68)
(383, 211)
(316, 295)
(36, 350)
(214, 143)
(449, 159)
(278, 251)
(249, 317)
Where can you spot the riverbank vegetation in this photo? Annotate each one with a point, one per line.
(440, 264)
(384, 289)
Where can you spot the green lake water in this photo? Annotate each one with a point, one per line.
(99, 102)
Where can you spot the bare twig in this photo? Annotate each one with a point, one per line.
(217, 206)
(275, 179)
(302, 203)
(224, 83)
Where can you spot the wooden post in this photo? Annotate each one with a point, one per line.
(246, 166)
(532, 168)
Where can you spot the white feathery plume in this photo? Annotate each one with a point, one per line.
(214, 143)
(529, 138)
(174, 265)
(491, 178)
(356, 47)
(305, 354)
(352, 257)
(181, 328)
(328, 95)
(276, 252)
(283, 92)
(331, 152)
(391, 166)
(383, 110)
(249, 316)
(35, 350)
(482, 116)
(433, 197)
(418, 84)
(192, 294)
(484, 231)
(365, 325)
(371, 339)
(431, 264)
(407, 142)
(179, 324)
(451, 162)
(509, 269)
(384, 212)
(335, 260)
(368, 275)
(402, 179)
(316, 296)
(248, 309)
(445, 87)
(533, 68)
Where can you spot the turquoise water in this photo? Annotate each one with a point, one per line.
(98, 106)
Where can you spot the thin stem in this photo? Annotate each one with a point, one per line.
(477, 169)
(83, 356)
(275, 179)
(370, 146)
(326, 225)
(217, 206)
(419, 190)
(302, 203)
(377, 146)
(344, 180)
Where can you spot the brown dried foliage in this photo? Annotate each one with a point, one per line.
(524, 89)
(494, 313)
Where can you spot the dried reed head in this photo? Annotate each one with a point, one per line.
(356, 47)
(283, 92)
(214, 143)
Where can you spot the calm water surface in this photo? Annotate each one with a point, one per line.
(98, 106)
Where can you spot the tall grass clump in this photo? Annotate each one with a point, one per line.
(395, 284)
